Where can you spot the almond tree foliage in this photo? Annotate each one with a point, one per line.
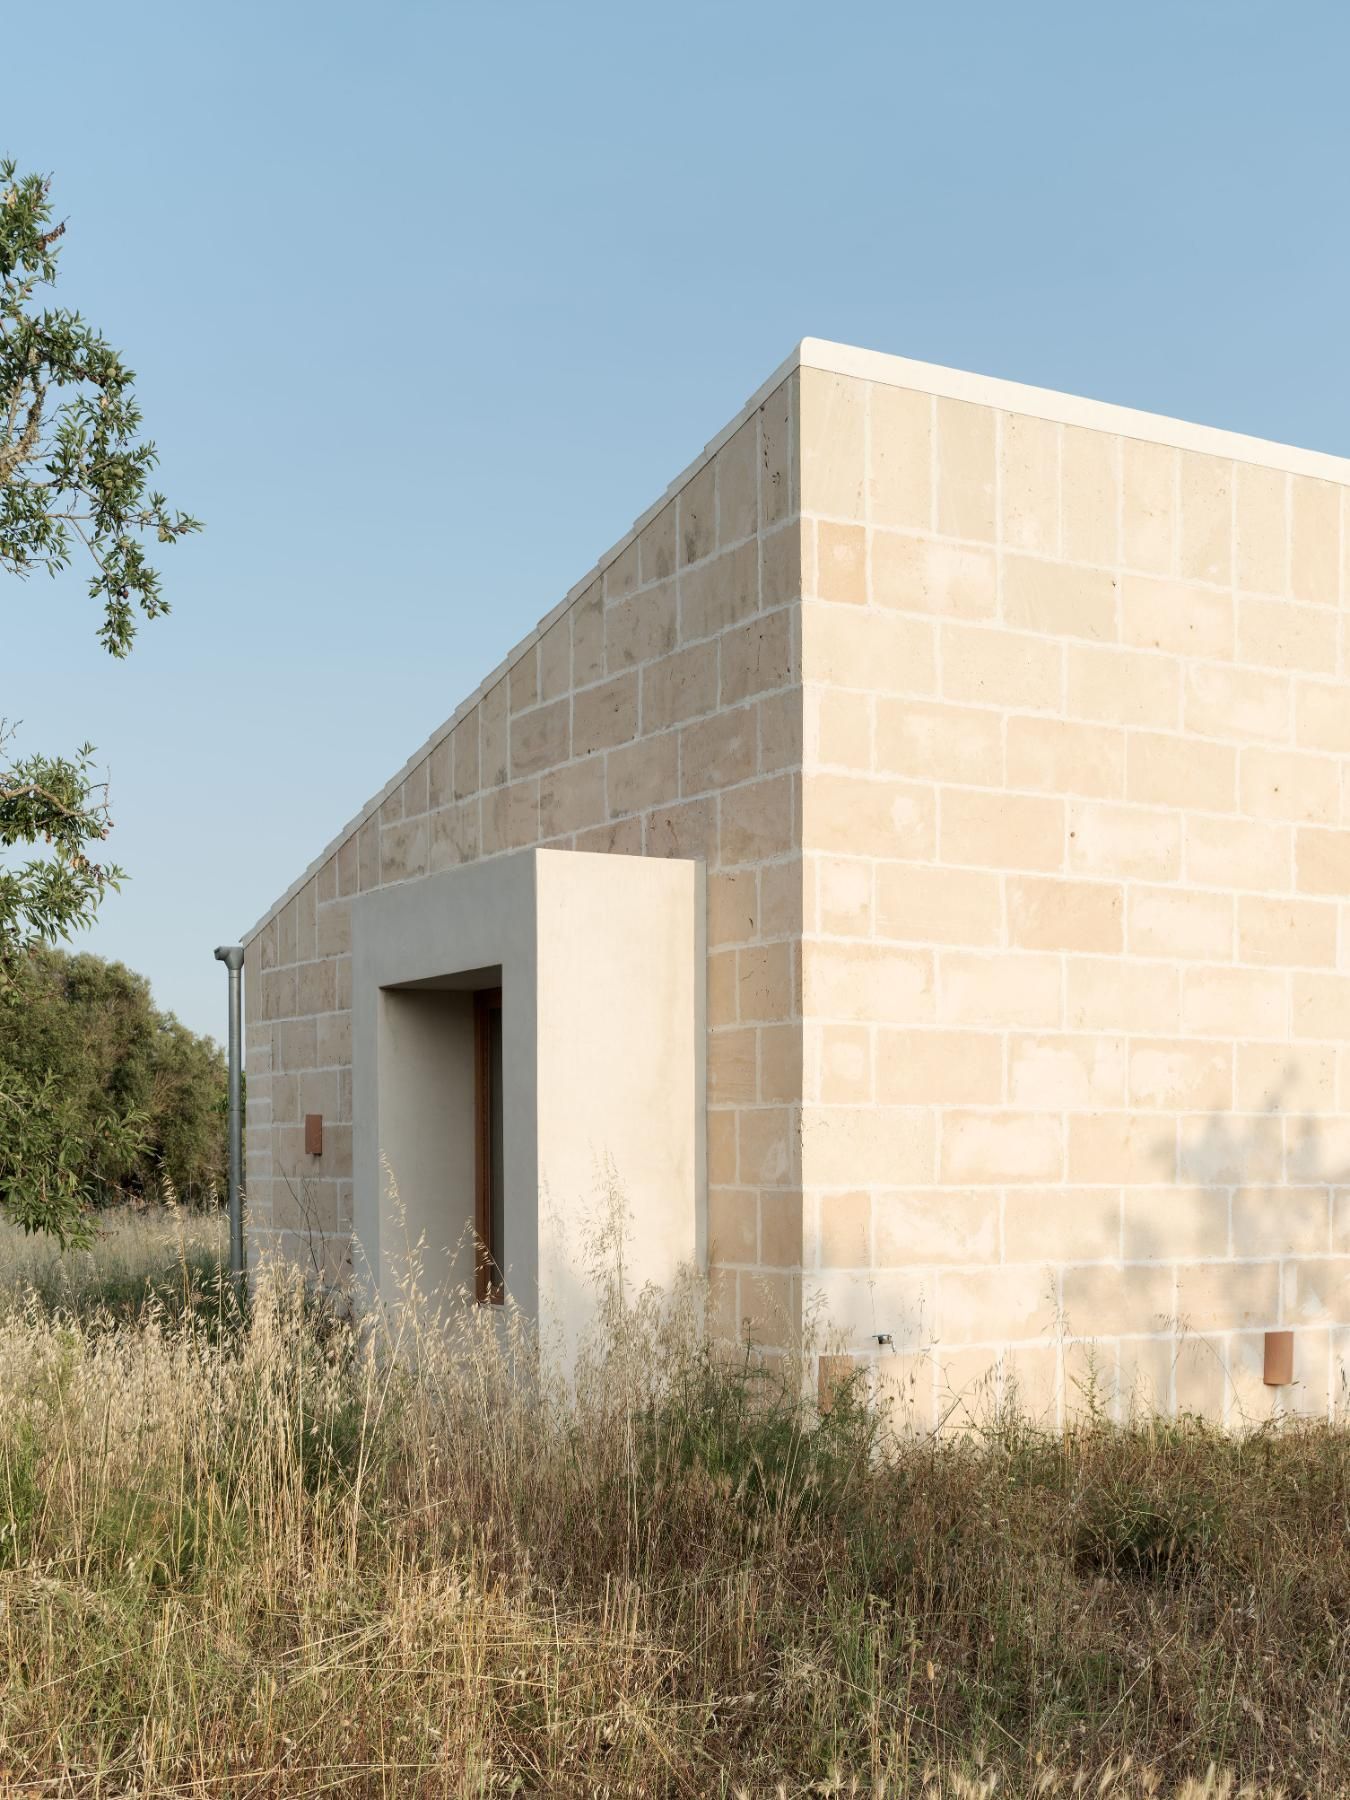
(75, 477)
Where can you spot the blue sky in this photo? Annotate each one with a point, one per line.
(428, 302)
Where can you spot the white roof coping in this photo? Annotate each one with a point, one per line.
(891, 371)
(1066, 409)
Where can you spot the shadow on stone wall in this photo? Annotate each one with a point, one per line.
(1281, 1145)
(1249, 1226)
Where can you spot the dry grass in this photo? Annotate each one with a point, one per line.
(299, 1558)
(139, 1252)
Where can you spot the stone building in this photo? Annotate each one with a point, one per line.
(910, 873)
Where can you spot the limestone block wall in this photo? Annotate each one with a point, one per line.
(1076, 966)
(1014, 732)
(656, 712)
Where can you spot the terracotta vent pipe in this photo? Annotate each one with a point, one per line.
(1279, 1369)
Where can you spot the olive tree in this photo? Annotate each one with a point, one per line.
(75, 484)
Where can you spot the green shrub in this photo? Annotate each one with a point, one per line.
(20, 1493)
(1149, 1532)
(101, 1095)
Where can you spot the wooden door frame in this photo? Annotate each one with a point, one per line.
(487, 1254)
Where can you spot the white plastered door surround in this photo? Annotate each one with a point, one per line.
(601, 961)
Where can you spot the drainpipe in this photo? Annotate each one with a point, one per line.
(232, 955)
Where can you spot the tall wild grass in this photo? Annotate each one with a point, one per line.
(401, 1557)
(169, 1254)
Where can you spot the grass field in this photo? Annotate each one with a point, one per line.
(299, 1558)
(143, 1259)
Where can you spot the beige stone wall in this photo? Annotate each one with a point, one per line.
(1076, 973)
(1014, 732)
(657, 713)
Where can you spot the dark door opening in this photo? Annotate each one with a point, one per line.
(489, 1125)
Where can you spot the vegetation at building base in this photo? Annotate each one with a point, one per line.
(305, 1557)
(102, 1095)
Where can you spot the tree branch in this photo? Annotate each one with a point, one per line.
(32, 790)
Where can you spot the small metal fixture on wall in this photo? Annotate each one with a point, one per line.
(1279, 1369)
(313, 1134)
(232, 955)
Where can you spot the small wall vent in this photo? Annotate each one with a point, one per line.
(1279, 1369)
